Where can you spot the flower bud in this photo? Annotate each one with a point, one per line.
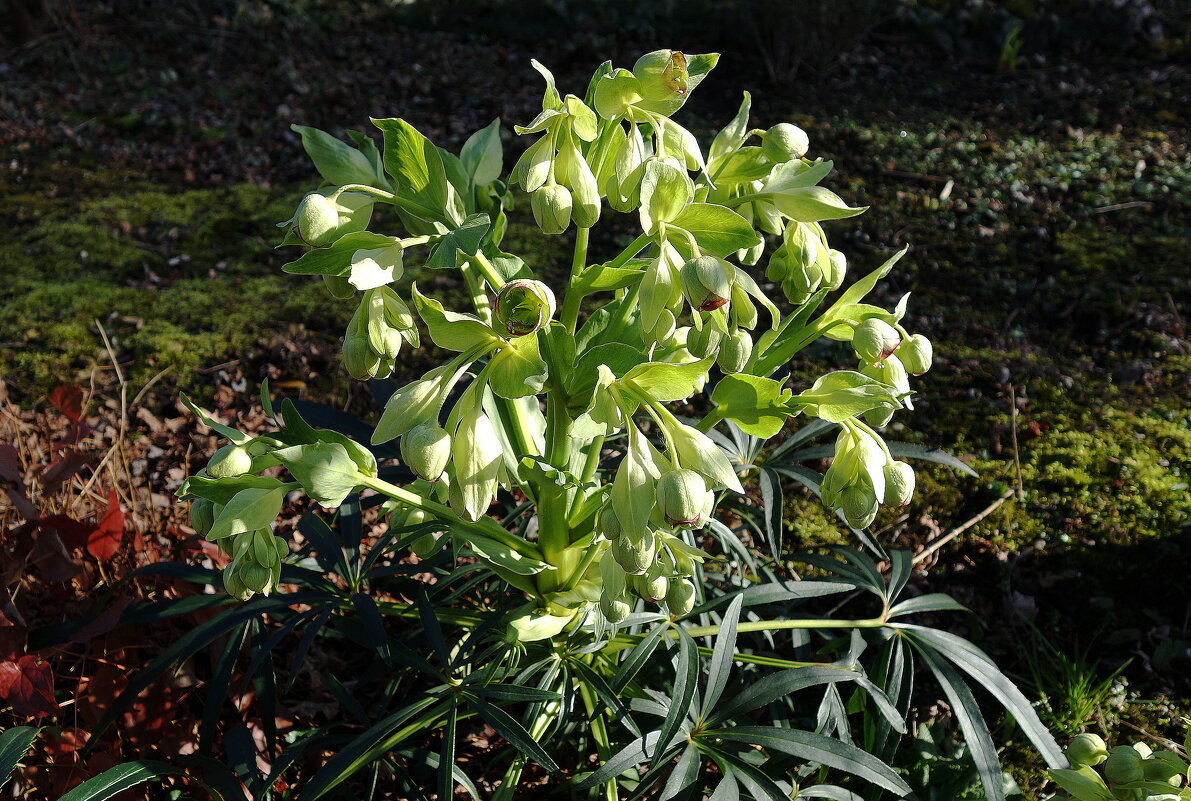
(256, 577)
(707, 282)
(229, 461)
(1123, 766)
(523, 306)
(202, 516)
(551, 206)
(916, 354)
(426, 449)
(317, 220)
(614, 609)
(663, 328)
(899, 483)
(662, 74)
(359, 359)
(1087, 749)
(836, 269)
(702, 342)
(735, 352)
(784, 142)
(652, 586)
(875, 340)
(743, 312)
(681, 496)
(609, 523)
(624, 179)
(632, 559)
(680, 597)
(232, 583)
(859, 505)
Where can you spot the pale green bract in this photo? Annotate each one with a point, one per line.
(559, 399)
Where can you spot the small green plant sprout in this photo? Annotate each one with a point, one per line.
(1124, 773)
(548, 450)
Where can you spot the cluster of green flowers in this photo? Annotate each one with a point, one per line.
(1127, 772)
(684, 304)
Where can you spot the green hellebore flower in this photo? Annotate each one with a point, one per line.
(551, 205)
(899, 483)
(784, 142)
(742, 312)
(234, 586)
(837, 269)
(614, 609)
(523, 306)
(202, 516)
(577, 176)
(663, 328)
(1087, 749)
(360, 360)
(652, 586)
(875, 340)
(702, 342)
(735, 352)
(680, 597)
(661, 74)
(229, 461)
(609, 523)
(426, 449)
(916, 353)
(681, 498)
(1123, 765)
(317, 220)
(632, 559)
(859, 505)
(707, 282)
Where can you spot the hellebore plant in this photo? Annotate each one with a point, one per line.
(549, 455)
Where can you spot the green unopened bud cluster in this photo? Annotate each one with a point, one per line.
(865, 475)
(381, 323)
(256, 563)
(1125, 773)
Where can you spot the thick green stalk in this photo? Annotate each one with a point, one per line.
(553, 500)
(570, 304)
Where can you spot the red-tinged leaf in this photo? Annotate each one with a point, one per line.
(51, 559)
(71, 462)
(69, 400)
(77, 432)
(101, 691)
(72, 533)
(10, 466)
(28, 684)
(106, 621)
(105, 541)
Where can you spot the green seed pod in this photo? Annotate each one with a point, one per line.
(707, 282)
(859, 505)
(651, 587)
(661, 75)
(899, 483)
(702, 342)
(916, 354)
(552, 208)
(681, 496)
(836, 269)
(1087, 749)
(1123, 766)
(426, 449)
(680, 597)
(614, 609)
(875, 340)
(202, 516)
(317, 220)
(784, 142)
(229, 461)
(735, 352)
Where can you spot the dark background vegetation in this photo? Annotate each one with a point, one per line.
(1034, 154)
